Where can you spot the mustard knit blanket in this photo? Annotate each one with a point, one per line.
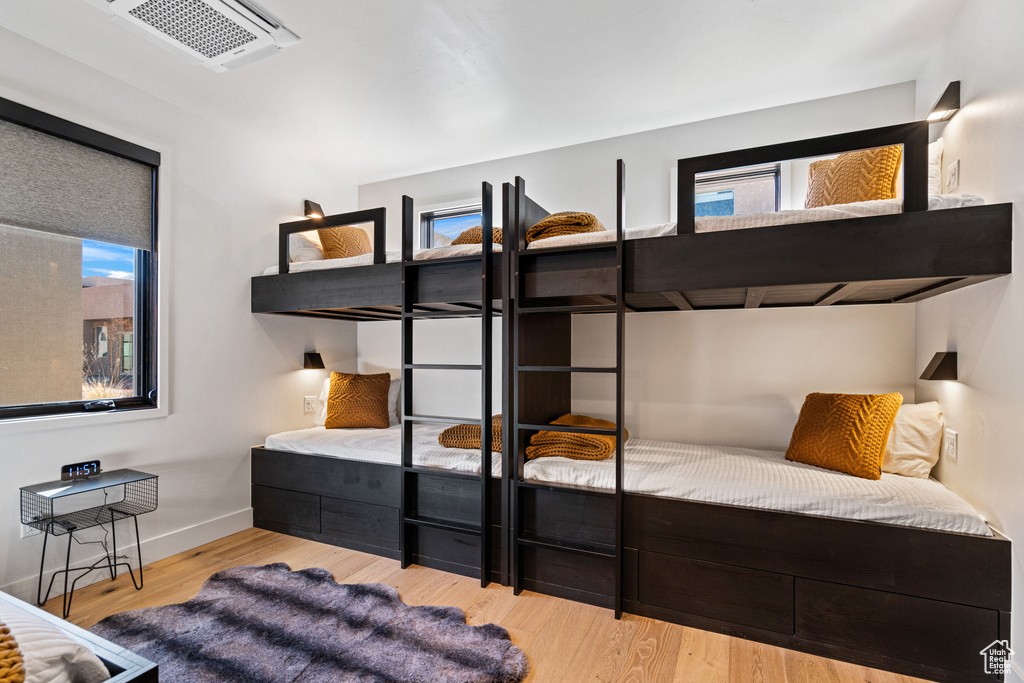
(564, 223)
(571, 445)
(12, 666)
(468, 436)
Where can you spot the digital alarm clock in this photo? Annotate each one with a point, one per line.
(80, 470)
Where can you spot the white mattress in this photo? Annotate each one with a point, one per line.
(715, 474)
(761, 220)
(389, 257)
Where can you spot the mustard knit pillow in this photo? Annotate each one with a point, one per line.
(357, 401)
(844, 432)
(854, 177)
(344, 242)
(476, 236)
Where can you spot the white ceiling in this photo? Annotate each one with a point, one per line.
(379, 89)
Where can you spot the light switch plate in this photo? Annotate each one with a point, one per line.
(27, 531)
(951, 444)
(309, 404)
(953, 176)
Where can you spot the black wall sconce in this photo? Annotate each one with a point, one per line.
(312, 209)
(947, 105)
(942, 366)
(312, 361)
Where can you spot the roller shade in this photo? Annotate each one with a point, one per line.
(53, 185)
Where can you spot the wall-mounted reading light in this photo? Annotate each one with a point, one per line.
(947, 105)
(942, 366)
(313, 361)
(312, 209)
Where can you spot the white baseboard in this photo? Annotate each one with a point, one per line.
(153, 549)
(1015, 675)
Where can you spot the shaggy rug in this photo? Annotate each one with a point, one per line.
(271, 624)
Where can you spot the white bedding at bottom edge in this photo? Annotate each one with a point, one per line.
(714, 474)
(50, 655)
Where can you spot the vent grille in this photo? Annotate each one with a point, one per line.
(195, 24)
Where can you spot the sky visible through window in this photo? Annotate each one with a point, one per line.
(452, 227)
(107, 260)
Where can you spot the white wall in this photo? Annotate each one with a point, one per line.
(984, 323)
(228, 378)
(729, 377)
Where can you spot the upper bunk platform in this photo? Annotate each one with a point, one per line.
(448, 287)
(875, 259)
(896, 258)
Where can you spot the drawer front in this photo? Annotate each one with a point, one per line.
(915, 629)
(346, 520)
(717, 591)
(565, 574)
(285, 511)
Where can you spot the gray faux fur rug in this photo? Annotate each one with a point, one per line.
(271, 624)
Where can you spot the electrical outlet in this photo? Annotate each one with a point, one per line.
(27, 531)
(953, 176)
(309, 404)
(950, 444)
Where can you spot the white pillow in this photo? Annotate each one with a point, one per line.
(305, 246)
(935, 167)
(50, 654)
(394, 402)
(914, 440)
(324, 393)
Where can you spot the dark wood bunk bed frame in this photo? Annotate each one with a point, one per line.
(429, 516)
(914, 601)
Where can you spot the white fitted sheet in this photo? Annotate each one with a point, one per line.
(714, 474)
(878, 207)
(389, 257)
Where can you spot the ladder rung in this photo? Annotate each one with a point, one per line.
(443, 419)
(442, 472)
(574, 488)
(590, 246)
(449, 525)
(583, 308)
(568, 428)
(468, 313)
(441, 366)
(596, 549)
(565, 368)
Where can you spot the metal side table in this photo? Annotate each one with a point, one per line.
(138, 496)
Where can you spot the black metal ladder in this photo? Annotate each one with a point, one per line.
(414, 523)
(552, 374)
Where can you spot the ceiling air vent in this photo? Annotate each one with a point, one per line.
(220, 34)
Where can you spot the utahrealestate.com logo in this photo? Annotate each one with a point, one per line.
(997, 657)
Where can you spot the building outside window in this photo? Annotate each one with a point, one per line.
(755, 189)
(77, 267)
(439, 228)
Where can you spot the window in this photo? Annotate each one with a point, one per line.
(77, 267)
(439, 228)
(755, 189)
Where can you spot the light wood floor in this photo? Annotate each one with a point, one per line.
(565, 641)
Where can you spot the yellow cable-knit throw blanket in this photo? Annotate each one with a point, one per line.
(468, 436)
(564, 223)
(476, 236)
(12, 667)
(571, 445)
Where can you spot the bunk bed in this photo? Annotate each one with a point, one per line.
(880, 592)
(887, 594)
(372, 492)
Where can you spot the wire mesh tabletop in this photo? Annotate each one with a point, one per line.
(139, 490)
